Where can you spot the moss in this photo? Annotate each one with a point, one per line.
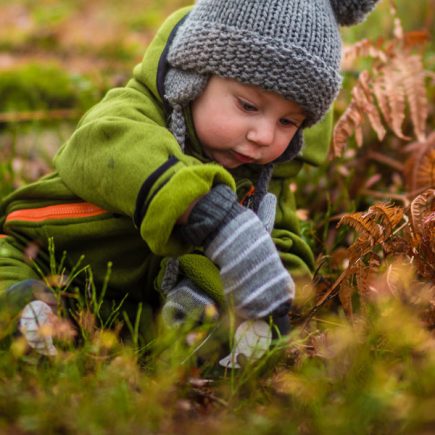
(38, 87)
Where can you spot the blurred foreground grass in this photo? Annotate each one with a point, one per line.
(375, 374)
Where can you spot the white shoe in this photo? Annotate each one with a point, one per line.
(34, 317)
(251, 341)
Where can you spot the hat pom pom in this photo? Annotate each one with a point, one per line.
(348, 12)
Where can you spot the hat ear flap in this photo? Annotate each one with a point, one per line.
(293, 149)
(349, 12)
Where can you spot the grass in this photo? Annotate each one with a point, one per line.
(374, 374)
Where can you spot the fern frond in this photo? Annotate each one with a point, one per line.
(345, 293)
(421, 207)
(364, 48)
(362, 104)
(362, 280)
(415, 38)
(413, 78)
(420, 171)
(388, 216)
(364, 223)
(360, 248)
(390, 96)
(349, 123)
(369, 106)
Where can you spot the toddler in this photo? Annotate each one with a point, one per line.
(168, 177)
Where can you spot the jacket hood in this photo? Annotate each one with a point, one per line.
(152, 70)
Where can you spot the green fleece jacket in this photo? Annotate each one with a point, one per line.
(123, 158)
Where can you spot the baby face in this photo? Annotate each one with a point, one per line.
(239, 124)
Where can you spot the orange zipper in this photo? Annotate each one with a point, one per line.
(62, 211)
(248, 196)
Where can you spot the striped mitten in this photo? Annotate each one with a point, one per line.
(184, 300)
(186, 303)
(236, 240)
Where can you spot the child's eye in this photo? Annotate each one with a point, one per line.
(285, 122)
(247, 107)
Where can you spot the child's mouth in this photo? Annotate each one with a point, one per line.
(242, 158)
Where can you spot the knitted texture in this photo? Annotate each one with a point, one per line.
(185, 302)
(267, 211)
(180, 89)
(251, 270)
(209, 214)
(350, 12)
(237, 241)
(292, 47)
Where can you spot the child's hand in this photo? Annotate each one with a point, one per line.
(186, 303)
(237, 241)
(251, 270)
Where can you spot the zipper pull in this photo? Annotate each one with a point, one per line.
(248, 200)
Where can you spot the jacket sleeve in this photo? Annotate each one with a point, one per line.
(123, 158)
(295, 253)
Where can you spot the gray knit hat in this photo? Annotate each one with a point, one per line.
(292, 47)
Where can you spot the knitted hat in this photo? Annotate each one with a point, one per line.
(292, 47)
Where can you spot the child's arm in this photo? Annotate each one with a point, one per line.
(124, 159)
(184, 218)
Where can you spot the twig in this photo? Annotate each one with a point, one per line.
(210, 396)
(328, 295)
(382, 158)
(387, 195)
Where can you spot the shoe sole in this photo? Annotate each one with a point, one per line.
(35, 316)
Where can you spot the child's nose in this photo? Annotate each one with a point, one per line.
(262, 133)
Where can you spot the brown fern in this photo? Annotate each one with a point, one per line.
(365, 277)
(388, 216)
(359, 249)
(364, 48)
(413, 77)
(412, 244)
(396, 81)
(370, 106)
(363, 104)
(362, 223)
(390, 96)
(345, 293)
(419, 170)
(422, 249)
(349, 124)
(422, 207)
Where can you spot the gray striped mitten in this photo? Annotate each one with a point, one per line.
(184, 300)
(236, 240)
(186, 303)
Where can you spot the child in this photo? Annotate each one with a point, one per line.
(170, 173)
